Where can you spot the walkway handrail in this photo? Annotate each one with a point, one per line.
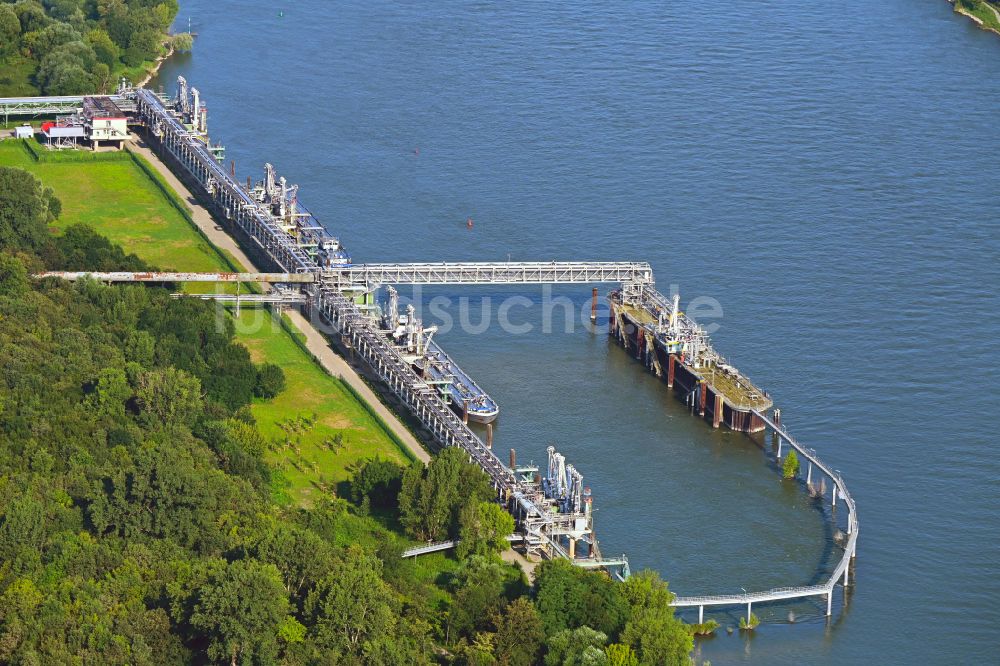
(839, 572)
(499, 272)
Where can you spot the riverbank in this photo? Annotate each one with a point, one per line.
(321, 388)
(155, 69)
(312, 339)
(983, 13)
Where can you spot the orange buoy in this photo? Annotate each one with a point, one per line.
(468, 223)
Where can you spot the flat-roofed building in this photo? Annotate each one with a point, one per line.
(105, 121)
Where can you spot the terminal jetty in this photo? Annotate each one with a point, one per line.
(308, 267)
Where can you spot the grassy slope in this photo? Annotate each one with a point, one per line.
(318, 428)
(979, 9)
(120, 201)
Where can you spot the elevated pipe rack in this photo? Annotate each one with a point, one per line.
(322, 288)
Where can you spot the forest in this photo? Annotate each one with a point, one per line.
(137, 524)
(65, 47)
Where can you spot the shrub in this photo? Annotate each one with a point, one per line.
(790, 467)
(270, 381)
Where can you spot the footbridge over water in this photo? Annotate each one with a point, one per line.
(548, 527)
(840, 573)
(372, 276)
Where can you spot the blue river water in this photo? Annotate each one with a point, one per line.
(823, 172)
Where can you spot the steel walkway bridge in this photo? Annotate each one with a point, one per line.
(51, 106)
(324, 293)
(840, 573)
(372, 276)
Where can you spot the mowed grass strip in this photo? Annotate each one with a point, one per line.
(120, 201)
(317, 428)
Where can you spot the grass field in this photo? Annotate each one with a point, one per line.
(981, 10)
(120, 201)
(318, 428)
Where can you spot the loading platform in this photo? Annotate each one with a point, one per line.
(553, 513)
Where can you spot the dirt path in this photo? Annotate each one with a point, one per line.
(315, 342)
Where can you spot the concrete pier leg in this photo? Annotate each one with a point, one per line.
(702, 397)
(834, 492)
(829, 603)
(701, 614)
(809, 474)
(572, 548)
(748, 612)
(717, 411)
(846, 569)
(779, 447)
(593, 305)
(671, 363)
(489, 435)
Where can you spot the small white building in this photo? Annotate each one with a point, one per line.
(105, 121)
(23, 132)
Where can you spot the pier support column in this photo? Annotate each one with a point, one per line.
(717, 411)
(809, 474)
(748, 612)
(846, 569)
(572, 548)
(593, 305)
(671, 363)
(834, 491)
(779, 447)
(489, 435)
(829, 603)
(465, 411)
(701, 614)
(702, 397)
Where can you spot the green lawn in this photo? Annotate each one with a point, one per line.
(979, 9)
(318, 428)
(121, 202)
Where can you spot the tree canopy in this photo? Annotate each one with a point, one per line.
(138, 515)
(79, 46)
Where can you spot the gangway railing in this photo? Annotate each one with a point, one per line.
(840, 573)
(469, 273)
(50, 106)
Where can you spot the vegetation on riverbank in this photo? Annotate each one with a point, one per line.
(985, 12)
(121, 200)
(169, 497)
(65, 47)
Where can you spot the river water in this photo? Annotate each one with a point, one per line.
(824, 172)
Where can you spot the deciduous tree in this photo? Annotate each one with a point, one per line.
(240, 611)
